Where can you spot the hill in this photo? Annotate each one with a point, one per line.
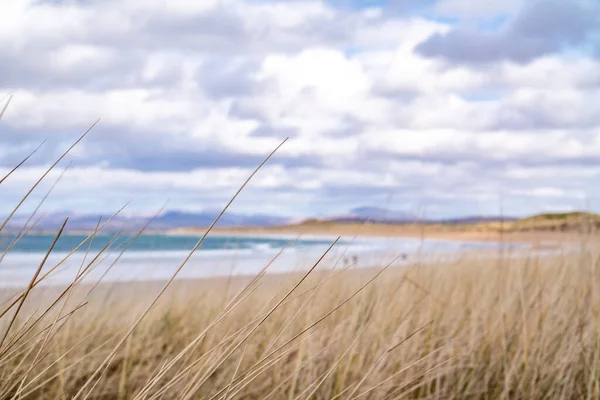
(578, 221)
(563, 222)
(471, 227)
(163, 222)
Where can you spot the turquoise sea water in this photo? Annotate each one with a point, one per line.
(66, 243)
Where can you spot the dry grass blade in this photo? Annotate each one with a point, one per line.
(10, 97)
(214, 367)
(56, 361)
(21, 331)
(247, 291)
(291, 320)
(226, 310)
(78, 277)
(72, 365)
(33, 279)
(20, 203)
(101, 367)
(65, 258)
(181, 374)
(68, 292)
(402, 390)
(235, 301)
(26, 226)
(237, 368)
(16, 381)
(395, 375)
(206, 357)
(314, 290)
(291, 376)
(4, 359)
(311, 290)
(22, 233)
(240, 386)
(129, 243)
(264, 359)
(333, 367)
(23, 161)
(337, 307)
(383, 356)
(11, 378)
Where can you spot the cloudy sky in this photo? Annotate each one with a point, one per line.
(446, 106)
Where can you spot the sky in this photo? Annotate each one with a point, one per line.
(441, 107)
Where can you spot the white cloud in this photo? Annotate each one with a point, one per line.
(552, 72)
(135, 108)
(73, 56)
(283, 15)
(475, 8)
(336, 82)
(178, 81)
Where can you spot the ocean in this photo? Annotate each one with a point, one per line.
(156, 257)
(143, 243)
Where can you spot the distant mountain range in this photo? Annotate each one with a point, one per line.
(165, 221)
(178, 219)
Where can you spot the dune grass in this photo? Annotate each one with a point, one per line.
(522, 327)
(526, 329)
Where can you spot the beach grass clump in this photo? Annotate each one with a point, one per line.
(503, 326)
(525, 329)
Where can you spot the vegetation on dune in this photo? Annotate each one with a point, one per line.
(573, 222)
(527, 329)
(561, 216)
(579, 221)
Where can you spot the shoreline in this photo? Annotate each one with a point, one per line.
(535, 239)
(274, 273)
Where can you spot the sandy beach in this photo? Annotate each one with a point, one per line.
(543, 239)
